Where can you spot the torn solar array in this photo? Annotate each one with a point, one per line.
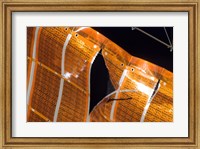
(59, 63)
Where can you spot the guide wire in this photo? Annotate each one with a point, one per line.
(168, 39)
(153, 37)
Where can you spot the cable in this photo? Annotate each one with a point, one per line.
(169, 46)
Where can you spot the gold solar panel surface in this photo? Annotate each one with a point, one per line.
(143, 91)
(47, 74)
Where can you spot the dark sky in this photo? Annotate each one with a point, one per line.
(142, 46)
(137, 44)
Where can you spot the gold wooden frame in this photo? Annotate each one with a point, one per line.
(9, 6)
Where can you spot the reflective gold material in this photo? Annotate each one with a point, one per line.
(79, 56)
(143, 91)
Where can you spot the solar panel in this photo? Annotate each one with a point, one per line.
(59, 61)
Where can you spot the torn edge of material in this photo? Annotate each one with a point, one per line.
(154, 92)
(88, 112)
(107, 96)
(62, 80)
(32, 66)
(117, 93)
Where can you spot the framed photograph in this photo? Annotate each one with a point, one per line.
(85, 74)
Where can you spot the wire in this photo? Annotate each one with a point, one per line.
(169, 46)
(168, 39)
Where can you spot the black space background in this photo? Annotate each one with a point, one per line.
(136, 44)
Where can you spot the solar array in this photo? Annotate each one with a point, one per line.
(59, 63)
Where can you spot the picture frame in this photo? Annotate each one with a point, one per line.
(8, 7)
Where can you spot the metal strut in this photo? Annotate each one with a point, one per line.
(168, 46)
